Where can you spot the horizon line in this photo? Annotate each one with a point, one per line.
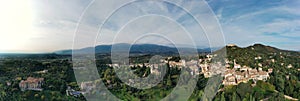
(53, 52)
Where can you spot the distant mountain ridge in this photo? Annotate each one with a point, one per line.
(135, 48)
(153, 48)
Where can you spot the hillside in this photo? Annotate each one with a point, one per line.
(261, 53)
(283, 83)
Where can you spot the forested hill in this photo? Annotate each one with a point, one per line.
(284, 81)
(262, 54)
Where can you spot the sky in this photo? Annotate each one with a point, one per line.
(37, 26)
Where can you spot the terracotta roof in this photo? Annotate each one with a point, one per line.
(262, 73)
(32, 80)
(230, 78)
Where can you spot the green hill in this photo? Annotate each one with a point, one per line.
(259, 53)
(283, 81)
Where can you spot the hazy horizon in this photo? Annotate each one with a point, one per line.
(178, 46)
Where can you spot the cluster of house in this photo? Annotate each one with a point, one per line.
(196, 66)
(32, 83)
(235, 76)
(86, 87)
(205, 66)
(210, 69)
(154, 68)
(243, 74)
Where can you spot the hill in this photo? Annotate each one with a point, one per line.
(284, 78)
(260, 53)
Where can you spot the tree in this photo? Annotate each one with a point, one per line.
(223, 97)
(279, 83)
(251, 98)
(234, 97)
(2, 92)
(289, 89)
(43, 97)
(169, 82)
(243, 89)
(277, 97)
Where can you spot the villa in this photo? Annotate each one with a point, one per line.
(32, 84)
(87, 87)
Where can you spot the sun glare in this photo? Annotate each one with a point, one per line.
(16, 24)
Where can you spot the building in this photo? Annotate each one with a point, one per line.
(42, 72)
(194, 70)
(236, 66)
(262, 75)
(231, 45)
(235, 76)
(8, 83)
(154, 69)
(230, 80)
(87, 87)
(32, 84)
(290, 66)
(229, 72)
(72, 92)
(270, 70)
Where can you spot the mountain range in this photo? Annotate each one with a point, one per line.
(234, 51)
(135, 48)
(161, 49)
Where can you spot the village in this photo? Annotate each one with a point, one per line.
(232, 75)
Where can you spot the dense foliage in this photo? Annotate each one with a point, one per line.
(283, 81)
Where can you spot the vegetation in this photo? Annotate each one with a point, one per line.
(283, 81)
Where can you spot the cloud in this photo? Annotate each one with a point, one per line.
(252, 21)
(244, 22)
(289, 28)
(131, 11)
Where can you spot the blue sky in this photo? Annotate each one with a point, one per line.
(243, 22)
(273, 22)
